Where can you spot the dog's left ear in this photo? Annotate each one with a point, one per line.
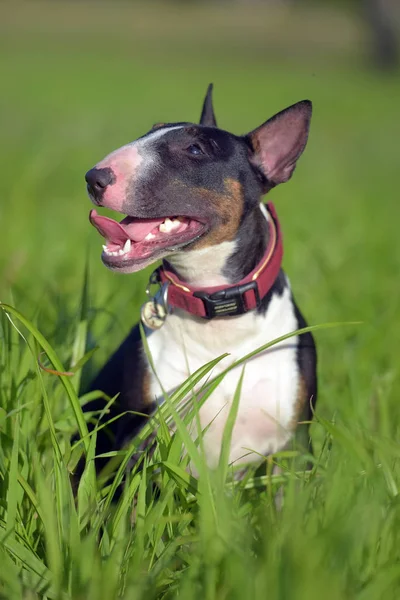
(207, 114)
(280, 141)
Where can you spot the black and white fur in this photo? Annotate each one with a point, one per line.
(217, 179)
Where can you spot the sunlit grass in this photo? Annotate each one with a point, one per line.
(168, 530)
(71, 95)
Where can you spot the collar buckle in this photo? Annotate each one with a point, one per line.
(229, 302)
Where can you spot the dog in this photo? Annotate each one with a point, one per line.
(192, 195)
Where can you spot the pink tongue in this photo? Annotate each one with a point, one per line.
(118, 233)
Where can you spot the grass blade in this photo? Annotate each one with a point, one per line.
(44, 344)
(223, 465)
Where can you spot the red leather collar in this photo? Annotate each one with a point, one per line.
(231, 300)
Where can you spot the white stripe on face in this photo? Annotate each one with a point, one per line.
(138, 149)
(143, 147)
(159, 132)
(128, 164)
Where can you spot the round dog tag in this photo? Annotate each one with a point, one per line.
(153, 315)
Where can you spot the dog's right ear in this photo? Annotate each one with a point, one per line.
(279, 142)
(207, 114)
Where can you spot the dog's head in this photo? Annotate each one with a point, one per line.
(185, 186)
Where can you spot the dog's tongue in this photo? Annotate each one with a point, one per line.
(118, 233)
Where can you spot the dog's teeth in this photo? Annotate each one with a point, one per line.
(175, 223)
(149, 236)
(120, 251)
(127, 247)
(169, 225)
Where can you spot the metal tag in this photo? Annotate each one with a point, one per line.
(153, 315)
(154, 312)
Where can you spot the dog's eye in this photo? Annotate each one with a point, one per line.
(194, 149)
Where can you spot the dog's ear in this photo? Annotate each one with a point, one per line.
(207, 114)
(280, 141)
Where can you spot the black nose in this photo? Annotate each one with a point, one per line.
(98, 180)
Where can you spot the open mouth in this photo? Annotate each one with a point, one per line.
(134, 239)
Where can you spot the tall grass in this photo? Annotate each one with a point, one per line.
(79, 82)
(167, 531)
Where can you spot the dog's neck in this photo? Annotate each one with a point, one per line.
(229, 262)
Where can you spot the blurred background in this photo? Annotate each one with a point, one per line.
(79, 79)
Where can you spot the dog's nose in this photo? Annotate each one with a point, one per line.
(97, 181)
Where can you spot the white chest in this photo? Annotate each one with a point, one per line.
(271, 379)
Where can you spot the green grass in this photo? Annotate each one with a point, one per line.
(78, 82)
